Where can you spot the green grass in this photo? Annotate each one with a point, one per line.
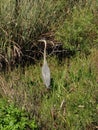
(72, 101)
(79, 30)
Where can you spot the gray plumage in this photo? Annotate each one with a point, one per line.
(46, 74)
(45, 68)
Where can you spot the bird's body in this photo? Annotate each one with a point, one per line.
(45, 68)
(46, 74)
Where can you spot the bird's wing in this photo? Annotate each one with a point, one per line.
(46, 75)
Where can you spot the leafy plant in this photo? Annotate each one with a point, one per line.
(12, 118)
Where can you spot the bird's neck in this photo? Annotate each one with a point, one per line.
(45, 53)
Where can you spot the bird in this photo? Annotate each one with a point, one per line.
(45, 67)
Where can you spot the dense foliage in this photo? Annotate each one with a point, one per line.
(13, 118)
(74, 23)
(72, 102)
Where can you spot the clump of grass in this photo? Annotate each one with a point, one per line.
(81, 105)
(79, 30)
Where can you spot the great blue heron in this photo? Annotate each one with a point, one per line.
(45, 67)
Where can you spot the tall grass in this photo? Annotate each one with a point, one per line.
(22, 22)
(72, 101)
(79, 30)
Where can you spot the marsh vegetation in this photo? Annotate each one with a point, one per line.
(72, 102)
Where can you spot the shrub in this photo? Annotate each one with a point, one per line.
(12, 118)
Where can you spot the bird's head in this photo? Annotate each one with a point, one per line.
(42, 40)
(45, 42)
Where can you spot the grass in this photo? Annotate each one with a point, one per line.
(79, 31)
(72, 101)
(22, 24)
